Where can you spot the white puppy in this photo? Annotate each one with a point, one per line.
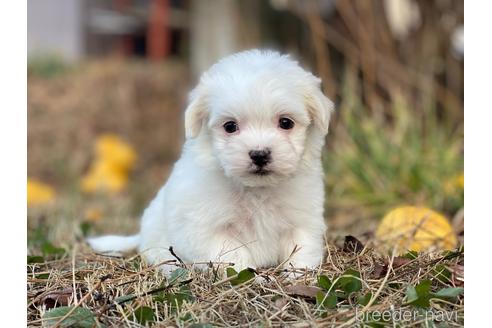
(248, 187)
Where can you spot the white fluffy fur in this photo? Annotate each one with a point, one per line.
(213, 208)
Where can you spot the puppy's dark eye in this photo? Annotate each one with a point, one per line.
(230, 127)
(285, 123)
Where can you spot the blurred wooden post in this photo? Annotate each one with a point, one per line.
(158, 35)
(215, 32)
(124, 43)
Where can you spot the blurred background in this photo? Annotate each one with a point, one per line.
(108, 81)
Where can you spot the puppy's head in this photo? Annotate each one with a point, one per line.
(258, 109)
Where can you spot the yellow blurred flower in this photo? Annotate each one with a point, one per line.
(93, 214)
(104, 176)
(38, 192)
(111, 167)
(415, 228)
(110, 148)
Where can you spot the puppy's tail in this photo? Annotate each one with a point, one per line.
(114, 245)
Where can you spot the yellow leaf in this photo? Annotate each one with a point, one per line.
(415, 228)
(38, 192)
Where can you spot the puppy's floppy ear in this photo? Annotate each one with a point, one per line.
(195, 114)
(318, 105)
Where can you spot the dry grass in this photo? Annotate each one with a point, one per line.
(96, 282)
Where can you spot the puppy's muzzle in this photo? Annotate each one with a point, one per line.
(260, 157)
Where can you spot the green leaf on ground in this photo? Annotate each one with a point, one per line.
(243, 276)
(364, 299)
(176, 300)
(230, 272)
(79, 318)
(326, 301)
(341, 295)
(31, 259)
(449, 293)
(421, 294)
(349, 282)
(324, 282)
(411, 294)
(143, 315)
(423, 288)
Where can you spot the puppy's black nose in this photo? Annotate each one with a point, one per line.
(260, 157)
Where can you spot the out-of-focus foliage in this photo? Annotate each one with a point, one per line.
(379, 160)
(39, 192)
(46, 66)
(416, 229)
(111, 167)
